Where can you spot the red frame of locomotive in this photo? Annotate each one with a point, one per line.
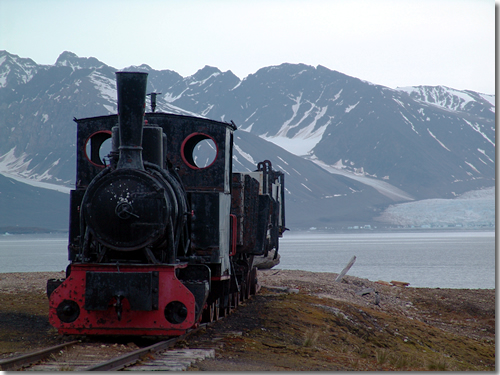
(132, 322)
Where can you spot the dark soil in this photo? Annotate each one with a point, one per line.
(24, 323)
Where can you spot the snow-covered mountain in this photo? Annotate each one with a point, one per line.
(15, 70)
(430, 142)
(349, 148)
(454, 100)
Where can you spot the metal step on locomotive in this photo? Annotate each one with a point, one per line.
(160, 238)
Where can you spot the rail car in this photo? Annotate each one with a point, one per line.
(160, 237)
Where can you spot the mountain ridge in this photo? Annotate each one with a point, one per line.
(427, 142)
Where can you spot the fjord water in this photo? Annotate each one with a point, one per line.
(424, 259)
(33, 252)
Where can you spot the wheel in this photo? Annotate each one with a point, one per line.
(248, 283)
(222, 307)
(236, 299)
(253, 282)
(208, 314)
(227, 305)
(216, 309)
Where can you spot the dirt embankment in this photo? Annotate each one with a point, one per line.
(307, 321)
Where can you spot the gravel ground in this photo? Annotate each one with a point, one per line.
(413, 303)
(27, 281)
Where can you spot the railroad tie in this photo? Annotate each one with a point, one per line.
(173, 360)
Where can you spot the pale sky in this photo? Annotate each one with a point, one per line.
(387, 42)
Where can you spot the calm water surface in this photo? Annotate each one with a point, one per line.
(425, 259)
(33, 252)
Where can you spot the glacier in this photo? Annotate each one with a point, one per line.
(472, 209)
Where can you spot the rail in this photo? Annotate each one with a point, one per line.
(27, 359)
(118, 363)
(114, 364)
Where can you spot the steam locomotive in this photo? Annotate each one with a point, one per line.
(162, 235)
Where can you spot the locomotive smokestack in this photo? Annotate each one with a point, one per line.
(131, 89)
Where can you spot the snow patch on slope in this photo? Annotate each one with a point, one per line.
(446, 97)
(39, 184)
(4, 74)
(351, 107)
(441, 143)
(26, 69)
(484, 153)
(244, 154)
(17, 169)
(382, 187)
(10, 164)
(107, 89)
(307, 137)
(298, 145)
(490, 99)
(295, 107)
(169, 98)
(477, 128)
(202, 82)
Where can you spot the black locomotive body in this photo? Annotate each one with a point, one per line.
(160, 237)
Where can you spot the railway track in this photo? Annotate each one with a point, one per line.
(99, 356)
(29, 358)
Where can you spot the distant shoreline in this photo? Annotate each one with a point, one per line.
(392, 230)
(5, 231)
(30, 230)
(12, 281)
